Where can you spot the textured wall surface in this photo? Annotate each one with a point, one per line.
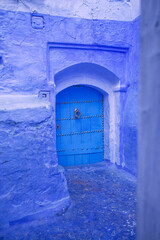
(30, 181)
(122, 10)
(33, 49)
(129, 108)
(149, 131)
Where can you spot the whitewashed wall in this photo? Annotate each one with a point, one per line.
(121, 10)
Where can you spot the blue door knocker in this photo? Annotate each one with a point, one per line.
(77, 113)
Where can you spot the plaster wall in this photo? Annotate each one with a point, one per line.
(129, 109)
(34, 49)
(149, 118)
(31, 181)
(121, 10)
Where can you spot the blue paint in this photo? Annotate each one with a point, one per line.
(43, 53)
(129, 110)
(79, 140)
(103, 207)
(118, 0)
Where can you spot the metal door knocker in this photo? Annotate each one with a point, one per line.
(77, 113)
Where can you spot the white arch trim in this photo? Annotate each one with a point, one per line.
(108, 90)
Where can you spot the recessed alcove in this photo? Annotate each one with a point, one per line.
(100, 78)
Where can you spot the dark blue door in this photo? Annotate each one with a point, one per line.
(79, 122)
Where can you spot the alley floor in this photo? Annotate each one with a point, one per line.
(103, 207)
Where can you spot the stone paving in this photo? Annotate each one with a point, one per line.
(103, 207)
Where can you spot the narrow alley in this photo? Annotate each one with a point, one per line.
(103, 206)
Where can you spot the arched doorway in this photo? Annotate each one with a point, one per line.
(107, 83)
(80, 125)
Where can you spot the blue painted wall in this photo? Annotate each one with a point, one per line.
(129, 107)
(30, 178)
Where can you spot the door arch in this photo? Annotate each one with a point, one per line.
(106, 82)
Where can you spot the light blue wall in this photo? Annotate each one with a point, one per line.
(129, 107)
(149, 119)
(120, 10)
(30, 179)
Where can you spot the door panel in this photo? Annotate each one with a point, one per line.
(79, 140)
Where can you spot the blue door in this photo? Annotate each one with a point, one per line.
(79, 126)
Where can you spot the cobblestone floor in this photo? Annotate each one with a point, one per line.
(103, 207)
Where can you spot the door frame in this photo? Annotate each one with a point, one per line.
(112, 92)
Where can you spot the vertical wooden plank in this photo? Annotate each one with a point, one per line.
(78, 159)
